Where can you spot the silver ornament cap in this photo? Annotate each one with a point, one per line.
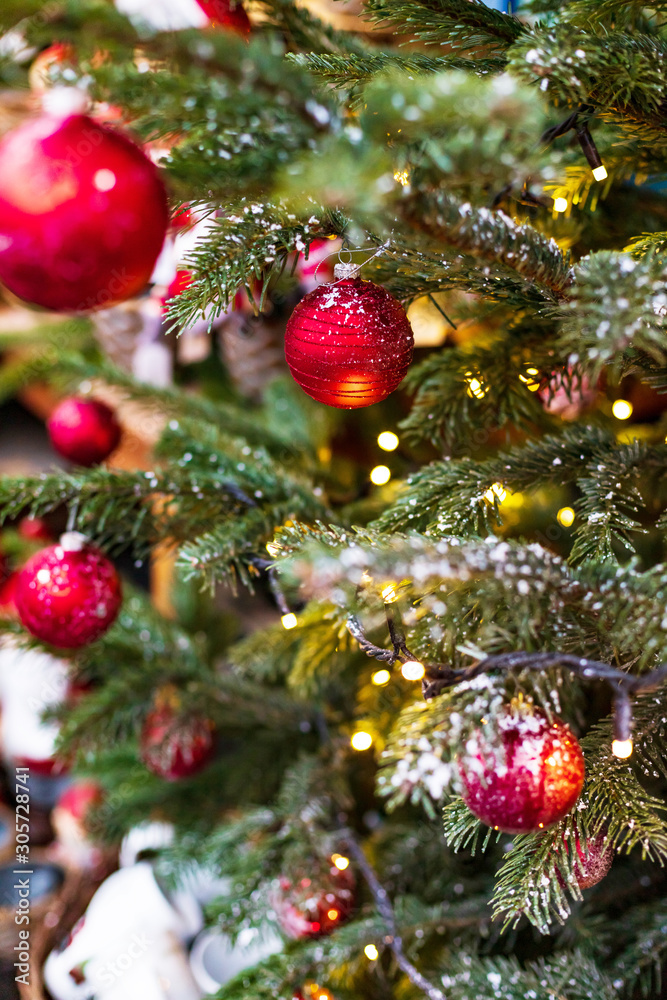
(346, 270)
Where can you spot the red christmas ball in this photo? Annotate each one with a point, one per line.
(175, 747)
(68, 594)
(83, 214)
(83, 430)
(34, 529)
(309, 908)
(182, 280)
(593, 859)
(348, 344)
(527, 780)
(223, 14)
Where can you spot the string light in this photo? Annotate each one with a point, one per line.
(388, 441)
(475, 387)
(361, 740)
(272, 548)
(402, 176)
(413, 670)
(380, 475)
(600, 173)
(371, 952)
(621, 748)
(495, 490)
(565, 516)
(381, 677)
(289, 621)
(389, 594)
(560, 204)
(529, 379)
(622, 409)
(340, 862)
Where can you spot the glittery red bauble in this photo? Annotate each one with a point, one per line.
(222, 13)
(83, 430)
(83, 214)
(310, 909)
(174, 747)
(349, 344)
(68, 594)
(527, 781)
(593, 859)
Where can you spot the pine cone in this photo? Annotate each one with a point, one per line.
(253, 348)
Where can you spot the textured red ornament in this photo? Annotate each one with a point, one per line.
(349, 344)
(593, 859)
(309, 909)
(68, 594)
(531, 780)
(83, 214)
(221, 13)
(173, 747)
(83, 430)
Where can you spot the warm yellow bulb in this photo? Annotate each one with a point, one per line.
(272, 548)
(565, 516)
(560, 204)
(495, 490)
(475, 386)
(413, 670)
(600, 173)
(289, 621)
(622, 409)
(340, 862)
(371, 952)
(361, 741)
(621, 748)
(380, 475)
(381, 677)
(388, 441)
(332, 914)
(389, 594)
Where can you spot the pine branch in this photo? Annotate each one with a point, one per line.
(541, 272)
(608, 70)
(349, 72)
(458, 497)
(571, 976)
(463, 25)
(244, 249)
(616, 305)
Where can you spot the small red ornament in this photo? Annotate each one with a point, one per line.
(83, 430)
(34, 529)
(311, 909)
(348, 344)
(529, 781)
(68, 594)
(83, 214)
(224, 15)
(182, 280)
(593, 859)
(175, 747)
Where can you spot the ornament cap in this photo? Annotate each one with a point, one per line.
(72, 541)
(344, 270)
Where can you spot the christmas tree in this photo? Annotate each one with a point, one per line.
(401, 586)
